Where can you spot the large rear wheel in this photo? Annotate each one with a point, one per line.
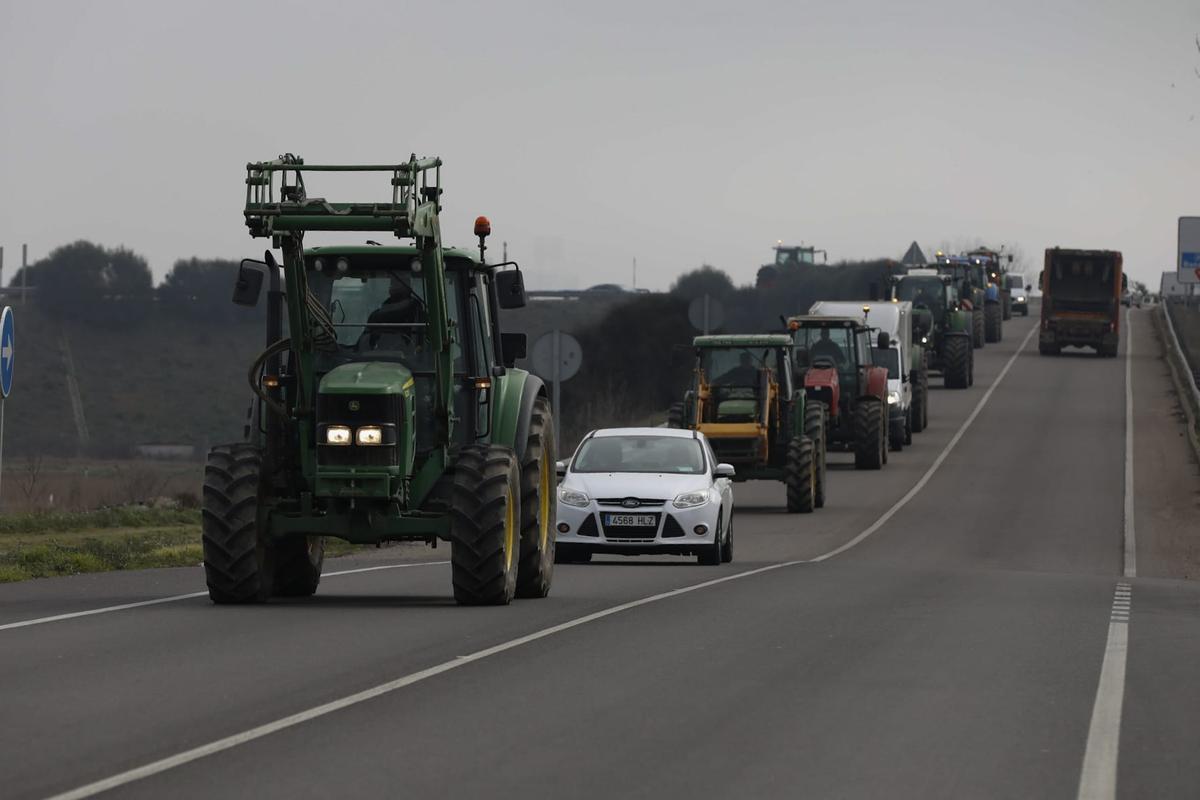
(539, 505)
(239, 562)
(920, 392)
(814, 429)
(485, 525)
(977, 328)
(993, 322)
(870, 443)
(298, 563)
(956, 356)
(800, 476)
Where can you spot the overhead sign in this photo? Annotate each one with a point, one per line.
(1189, 249)
(7, 347)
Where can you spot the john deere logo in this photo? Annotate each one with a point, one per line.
(354, 405)
(631, 502)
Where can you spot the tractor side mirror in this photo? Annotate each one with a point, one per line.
(510, 289)
(514, 346)
(885, 341)
(724, 471)
(248, 287)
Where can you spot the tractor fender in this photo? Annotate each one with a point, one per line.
(876, 383)
(514, 408)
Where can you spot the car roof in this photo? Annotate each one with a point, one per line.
(674, 433)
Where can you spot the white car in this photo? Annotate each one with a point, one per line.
(631, 491)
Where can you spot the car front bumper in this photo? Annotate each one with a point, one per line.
(674, 533)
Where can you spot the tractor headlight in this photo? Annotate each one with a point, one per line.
(574, 498)
(924, 340)
(369, 436)
(337, 435)
(690, 500)
(893, 397)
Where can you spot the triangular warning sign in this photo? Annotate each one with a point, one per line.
(914, 257)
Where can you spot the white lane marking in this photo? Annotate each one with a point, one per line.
(1130, 539)
(1098, 777)
(250, 735)
(220, 745)
(176, 598)
(937, 462)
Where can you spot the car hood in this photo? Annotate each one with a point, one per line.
(646, 485)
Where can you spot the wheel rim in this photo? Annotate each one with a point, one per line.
(510, 529)
(544, 501)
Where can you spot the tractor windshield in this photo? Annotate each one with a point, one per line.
(734, 366)
(923, 292)
(824, 344)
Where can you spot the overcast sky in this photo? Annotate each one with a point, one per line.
(595, 133)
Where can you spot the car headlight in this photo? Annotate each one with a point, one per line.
(337, 435)
(369, 436)
(690, 500)
(573, 498)
(893, 397)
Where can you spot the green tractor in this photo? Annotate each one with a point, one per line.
(971, 285)
(389, 410)
(756, 417)
(940, 324)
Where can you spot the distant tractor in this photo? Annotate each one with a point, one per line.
(940, 325)
(788, 259)
(907, 382)
(994, 263)
(1081, 301)
(971, 285)
(744, 399)
(833, 356)
(389, 410)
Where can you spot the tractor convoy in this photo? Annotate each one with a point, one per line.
(386, 404)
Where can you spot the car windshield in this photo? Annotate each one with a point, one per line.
(887, 357)
(671, 454)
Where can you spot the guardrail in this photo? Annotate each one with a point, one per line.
(1184, 377)
(1183, 346)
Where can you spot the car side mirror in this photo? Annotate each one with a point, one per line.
(510, 289)
(724, 471)
(248, 287)
(560, 467)
(885, 341)
(514, 346)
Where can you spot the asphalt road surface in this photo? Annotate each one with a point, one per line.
(962, 624)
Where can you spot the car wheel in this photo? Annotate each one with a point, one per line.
(727, 547)
(709, 555)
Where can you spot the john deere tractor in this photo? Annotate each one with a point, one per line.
(940, 324)
(833, 356)
(389, 410)
(971, 284)
(744, 400)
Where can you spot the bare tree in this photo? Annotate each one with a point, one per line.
(30, 478)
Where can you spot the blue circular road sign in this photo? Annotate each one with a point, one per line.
(7, 343)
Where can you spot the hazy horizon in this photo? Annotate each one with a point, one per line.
(676, 134)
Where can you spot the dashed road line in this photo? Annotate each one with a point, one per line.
(1098, 777)
(178, 597)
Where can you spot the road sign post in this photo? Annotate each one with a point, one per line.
(1189, 250)
(556, 356)
(7, 356)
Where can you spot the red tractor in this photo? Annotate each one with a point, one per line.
(833, 359)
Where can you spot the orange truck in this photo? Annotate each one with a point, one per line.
(1081, 301)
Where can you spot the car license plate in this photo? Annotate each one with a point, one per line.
(630, 520)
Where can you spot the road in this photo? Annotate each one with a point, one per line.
(945, 628)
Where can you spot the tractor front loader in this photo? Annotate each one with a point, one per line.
(389, 410)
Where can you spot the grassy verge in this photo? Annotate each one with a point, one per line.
(46, 545)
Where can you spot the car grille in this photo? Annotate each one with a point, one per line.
(619, 501)
(629, 533)
(671, 529)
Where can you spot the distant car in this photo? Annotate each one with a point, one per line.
(633, 491)
(1019, 289)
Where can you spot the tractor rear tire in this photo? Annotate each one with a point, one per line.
(485, 525)
(920, 384)
(239, 561)
(539, 504)
(978, 336)
(993, 323)
(908, 426)
(957, 358)
(675, 416)
(800, 476)
(1008, 311)
(870, 441)
(298, 563)
(814, 429)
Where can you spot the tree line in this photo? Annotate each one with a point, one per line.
(114, 286)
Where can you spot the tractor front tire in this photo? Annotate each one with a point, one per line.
(239, 564)
(870, 440)
(957, 358)
(908, 426)
(485, 525)
(920, 400)
(675, 416)
(539, 504)
(978, 336)
(993, 323)
(298, 563)
(800, 476)
(814, 429)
